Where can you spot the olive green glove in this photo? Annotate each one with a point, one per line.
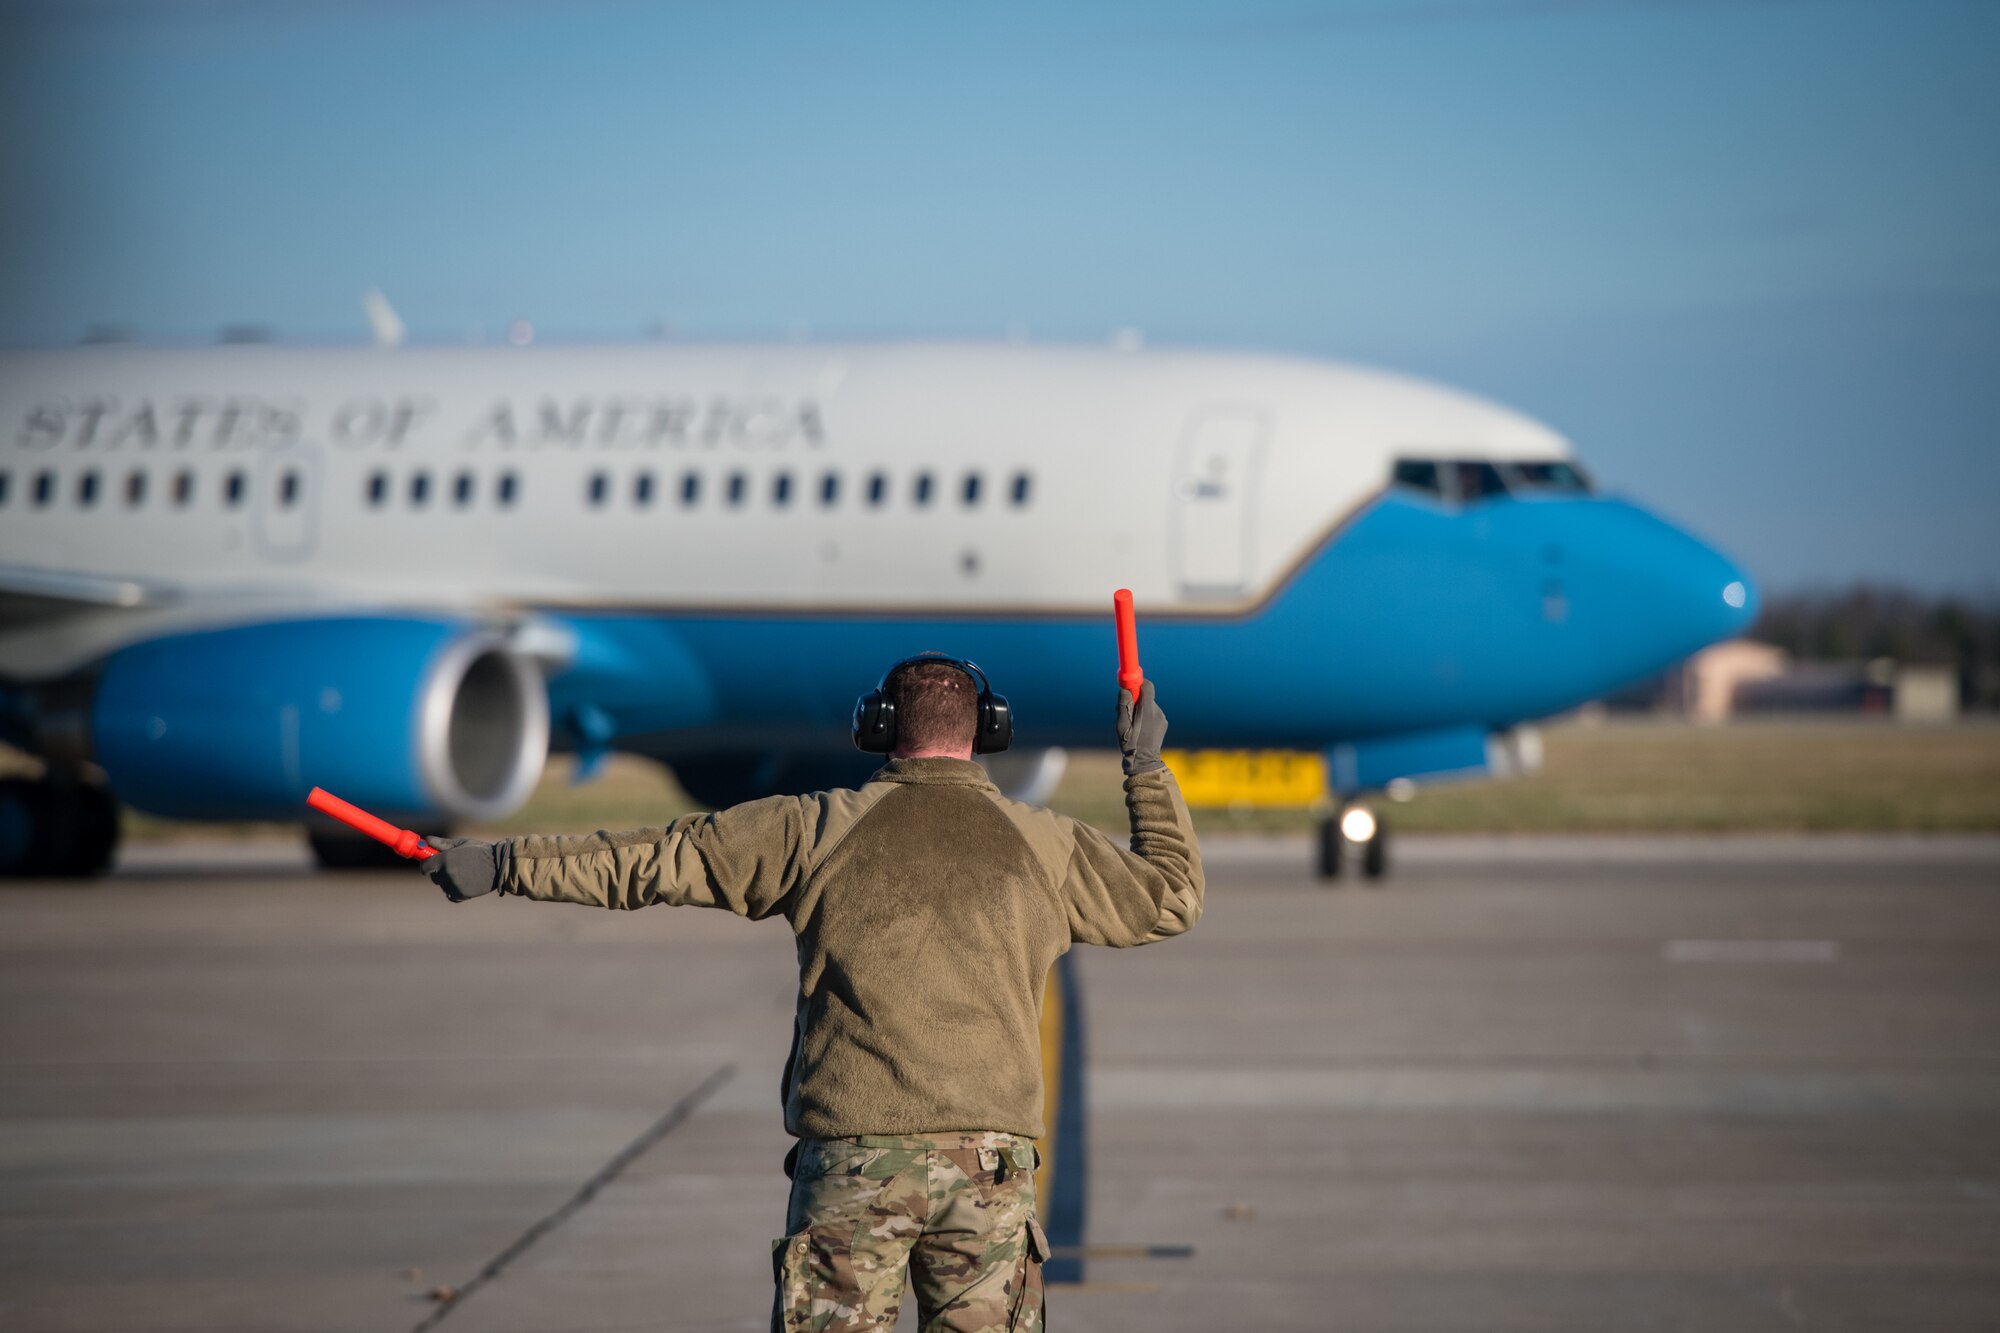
(463, 867)
(1142, 730)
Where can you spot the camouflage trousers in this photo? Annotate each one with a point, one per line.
(957, 1209)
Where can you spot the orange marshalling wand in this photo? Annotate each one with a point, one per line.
(398, 840)
(1129, 677)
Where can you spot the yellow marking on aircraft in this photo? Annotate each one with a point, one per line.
(1249, 777)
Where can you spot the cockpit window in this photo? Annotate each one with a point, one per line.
(1553, 475)
(1478, 481)
(1469, 480)
(1418, 474)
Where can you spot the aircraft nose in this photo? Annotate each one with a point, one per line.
(1739, 596)
(1696, 594)
(1716, 599)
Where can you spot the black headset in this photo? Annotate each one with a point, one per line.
(875, 711)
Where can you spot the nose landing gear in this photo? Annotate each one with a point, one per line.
(1355, 828)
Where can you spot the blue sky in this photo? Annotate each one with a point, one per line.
(1746, 253)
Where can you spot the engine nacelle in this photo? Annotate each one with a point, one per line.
(1027, 775)
(405, 716)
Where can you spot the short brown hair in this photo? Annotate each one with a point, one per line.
(937, 706)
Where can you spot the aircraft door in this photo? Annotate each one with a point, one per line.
(1215, 475)
(287, 509)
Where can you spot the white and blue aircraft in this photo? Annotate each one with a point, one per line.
(228, 574)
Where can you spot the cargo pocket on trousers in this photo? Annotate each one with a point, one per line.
(1026, 1316)
(792, 1276)
(811, 1268)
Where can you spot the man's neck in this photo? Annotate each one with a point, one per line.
(900, 753)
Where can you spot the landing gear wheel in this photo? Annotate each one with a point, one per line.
(24, 828)
(1330, 847)
(86, 829)
(66, 829)
(338, 849)
(1375, 852)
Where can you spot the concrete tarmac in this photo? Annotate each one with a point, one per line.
(1536, 1083)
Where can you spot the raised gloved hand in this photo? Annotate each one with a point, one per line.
(1142, 730)
(463, 867)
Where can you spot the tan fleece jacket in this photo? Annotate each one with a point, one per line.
(928, 909)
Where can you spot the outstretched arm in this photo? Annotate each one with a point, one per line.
(1151, 890)
(747, 859)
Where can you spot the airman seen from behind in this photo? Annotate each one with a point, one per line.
(928, 909)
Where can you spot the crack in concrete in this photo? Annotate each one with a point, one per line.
(630, 1153)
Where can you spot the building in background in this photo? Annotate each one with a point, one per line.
(1746, 678)
(1924, 693)
(1709, 680)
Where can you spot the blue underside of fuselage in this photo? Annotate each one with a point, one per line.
(1413, 617)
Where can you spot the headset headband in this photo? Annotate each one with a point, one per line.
(965, 664)
(874, 728)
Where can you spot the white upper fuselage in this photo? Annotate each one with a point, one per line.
(326, 476)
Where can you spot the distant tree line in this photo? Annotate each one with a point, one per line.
(1866, 622)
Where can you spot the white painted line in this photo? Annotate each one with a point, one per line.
(1751, 951)
(1293, 851)
(1697, 1090)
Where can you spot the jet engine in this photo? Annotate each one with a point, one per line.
(414, 718)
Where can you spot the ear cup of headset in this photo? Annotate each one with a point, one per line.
(996, 724)
(874, 727)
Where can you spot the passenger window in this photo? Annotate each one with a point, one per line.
(600, 486)
(920, 490)
(420, 488)
(378, 488)
(86, 489)
(642, 489)
(739, 486)
(971, 489)
(135, 488)
(506, 488)
(781, 489)
(1022, 483)
(3, 487)
(183, 488)
(461, 489)
(1419, 474)
(690, 487)
(829, 488)
(288, 488)
(878, 488)
(45, 488)
(232, 489)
